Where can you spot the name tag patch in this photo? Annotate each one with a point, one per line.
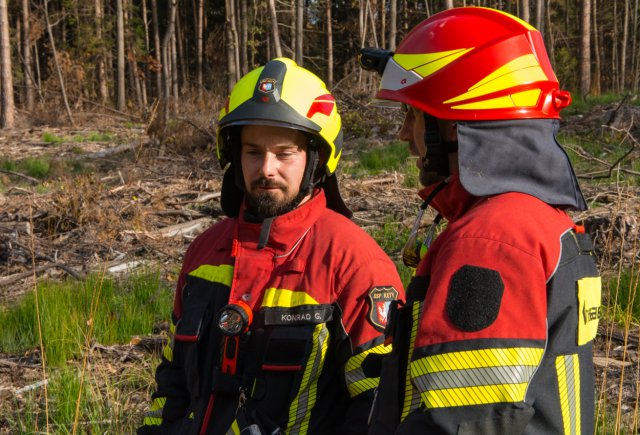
(303, 315)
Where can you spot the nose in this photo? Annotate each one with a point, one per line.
(268, 166)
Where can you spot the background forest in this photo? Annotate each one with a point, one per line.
(108, 111)
(128, 54)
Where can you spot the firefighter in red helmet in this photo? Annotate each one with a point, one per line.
(496, 334)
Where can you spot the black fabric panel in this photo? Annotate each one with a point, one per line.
(492, 419)
(474, 298)
(517, 156)
(417, 288)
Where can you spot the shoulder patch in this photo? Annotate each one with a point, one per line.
(381, 298)
(475, 295)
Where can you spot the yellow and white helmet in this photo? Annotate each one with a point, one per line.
(281, 93)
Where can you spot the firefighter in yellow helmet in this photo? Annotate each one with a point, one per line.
(496, 334)
(277, 305)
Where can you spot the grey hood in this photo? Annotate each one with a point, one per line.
(517, 156)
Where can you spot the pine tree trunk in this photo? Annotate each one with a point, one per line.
(200, 46)
(244, 35)
(383, 23)
(393, 24)
(540, 16)
(596, 50)
(232, 69)
(121, 99)
(166, 59)
(157, 49)
(524, 10)
(585, 49)
(54, 53)
(623, 53)
(300, 32)
(7, 116)
(103, 89)
(329, 46)
(26, 53)
(275, 33)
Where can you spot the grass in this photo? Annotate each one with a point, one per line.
(84, 395)
(36, 167)
(114, 310)
(394, 156)
(91, 136)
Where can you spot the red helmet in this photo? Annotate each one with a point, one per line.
(471, 64)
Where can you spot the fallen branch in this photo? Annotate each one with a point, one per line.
(115, 150)
(18, 174)
(18, 276)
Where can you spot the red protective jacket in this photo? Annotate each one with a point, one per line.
(319, 291)
(496, 334)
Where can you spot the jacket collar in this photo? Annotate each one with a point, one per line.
(452, 201)
(287, 229)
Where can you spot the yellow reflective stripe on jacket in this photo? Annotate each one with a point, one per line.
(357, 382)
(475, 377)
(412, 395)
(153, 417)
(276, 297)
(568, 370)
(167, 352)
(234, 429)
(300, 410)
(222, 274)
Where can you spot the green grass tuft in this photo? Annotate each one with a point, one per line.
(122, 309)
(51, 138)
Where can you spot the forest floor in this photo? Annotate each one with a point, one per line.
(126, 202)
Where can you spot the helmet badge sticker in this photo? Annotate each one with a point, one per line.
(381, 298)
(267, 85)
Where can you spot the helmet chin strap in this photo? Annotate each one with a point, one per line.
(437, 155)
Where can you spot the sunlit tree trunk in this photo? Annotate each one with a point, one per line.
(540, 15)
(232, 66)
(585, 49)
(121, 99)
(329, 46)
(596, 50)
(103, 89)
(275, 33)
(166, 58)
(7, 111)
(393, 24)
(299, 32)
(524, 10)
(26, 53)
(623, 52)
(448, 4)
(54, 53)
(158, 51)
(383, 23)
(200, 46)
(244, 34)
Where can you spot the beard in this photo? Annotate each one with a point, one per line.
(267, 204)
